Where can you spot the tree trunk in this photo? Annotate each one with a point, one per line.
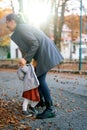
(61, 25)
(58, 26)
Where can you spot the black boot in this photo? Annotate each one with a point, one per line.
(49, 112)
(41, 103)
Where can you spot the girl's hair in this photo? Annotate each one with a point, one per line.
(18, 18)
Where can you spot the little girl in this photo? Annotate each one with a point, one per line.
(30, 94)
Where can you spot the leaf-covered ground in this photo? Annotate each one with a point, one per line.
(10, 114)
(69, 93)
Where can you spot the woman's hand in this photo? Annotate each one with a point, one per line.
(34, 63)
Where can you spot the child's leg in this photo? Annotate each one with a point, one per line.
(25, 104)
(33, 103)
(32, 107)
(24, 107)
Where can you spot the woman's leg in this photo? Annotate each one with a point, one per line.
(43, 88)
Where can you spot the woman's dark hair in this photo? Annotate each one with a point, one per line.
(16, 17)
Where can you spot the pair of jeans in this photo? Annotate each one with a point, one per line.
(43, 88)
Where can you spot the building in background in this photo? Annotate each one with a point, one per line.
(14, 51)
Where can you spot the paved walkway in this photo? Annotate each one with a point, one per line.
(55, 69)
(69, 92)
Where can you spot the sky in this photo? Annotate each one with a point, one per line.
(72, 4)
(7, 4)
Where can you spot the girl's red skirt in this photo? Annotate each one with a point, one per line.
(32, 94)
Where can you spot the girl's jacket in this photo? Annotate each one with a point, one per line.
(28, 76)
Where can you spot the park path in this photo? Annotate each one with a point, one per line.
(69, 93)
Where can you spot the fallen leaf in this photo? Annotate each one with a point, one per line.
(69, 110)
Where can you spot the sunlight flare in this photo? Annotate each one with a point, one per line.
(37, 13)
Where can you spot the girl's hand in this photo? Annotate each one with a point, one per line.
(22, 62)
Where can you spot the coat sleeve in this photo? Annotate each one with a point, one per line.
(31, 43)
(20, 74)
(24, 69)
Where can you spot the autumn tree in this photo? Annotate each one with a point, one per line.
(4, 37)
(59, 20)
(73, 22)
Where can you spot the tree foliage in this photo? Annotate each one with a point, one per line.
(4, 37)
(5, 40)
(73, 22)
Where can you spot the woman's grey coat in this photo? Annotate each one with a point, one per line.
(35, 44)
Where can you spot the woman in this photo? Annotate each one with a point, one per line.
(34, 44)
